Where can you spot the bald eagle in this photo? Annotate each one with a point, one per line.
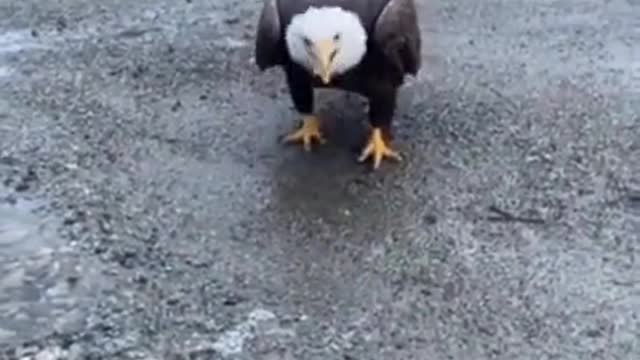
(362, 46)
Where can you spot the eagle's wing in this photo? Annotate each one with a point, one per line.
(397, 34)
(269, 50)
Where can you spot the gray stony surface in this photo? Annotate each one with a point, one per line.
(148, 138)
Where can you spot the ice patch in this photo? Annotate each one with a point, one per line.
(232, 341)
(5, 71)
(45, 285)
(16, 41)
(13, 42)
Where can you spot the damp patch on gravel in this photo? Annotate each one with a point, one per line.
(45, 287)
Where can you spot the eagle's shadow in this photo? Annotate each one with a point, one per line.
(330, 177)
(315, 182)
(345, 124)
(344, 118)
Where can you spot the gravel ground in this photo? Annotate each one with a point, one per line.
(149, 212)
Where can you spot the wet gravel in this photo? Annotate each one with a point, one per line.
(148, 211)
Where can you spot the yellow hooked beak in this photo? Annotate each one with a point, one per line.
(325, 50)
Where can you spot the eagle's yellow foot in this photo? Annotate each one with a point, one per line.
(309, 131)
(378, 148)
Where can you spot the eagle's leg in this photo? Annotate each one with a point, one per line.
(381, 110)
(301, 91)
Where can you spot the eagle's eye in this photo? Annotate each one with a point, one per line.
(336, 37)
(306, 41)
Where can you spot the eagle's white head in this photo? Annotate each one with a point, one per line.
(326, 41)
